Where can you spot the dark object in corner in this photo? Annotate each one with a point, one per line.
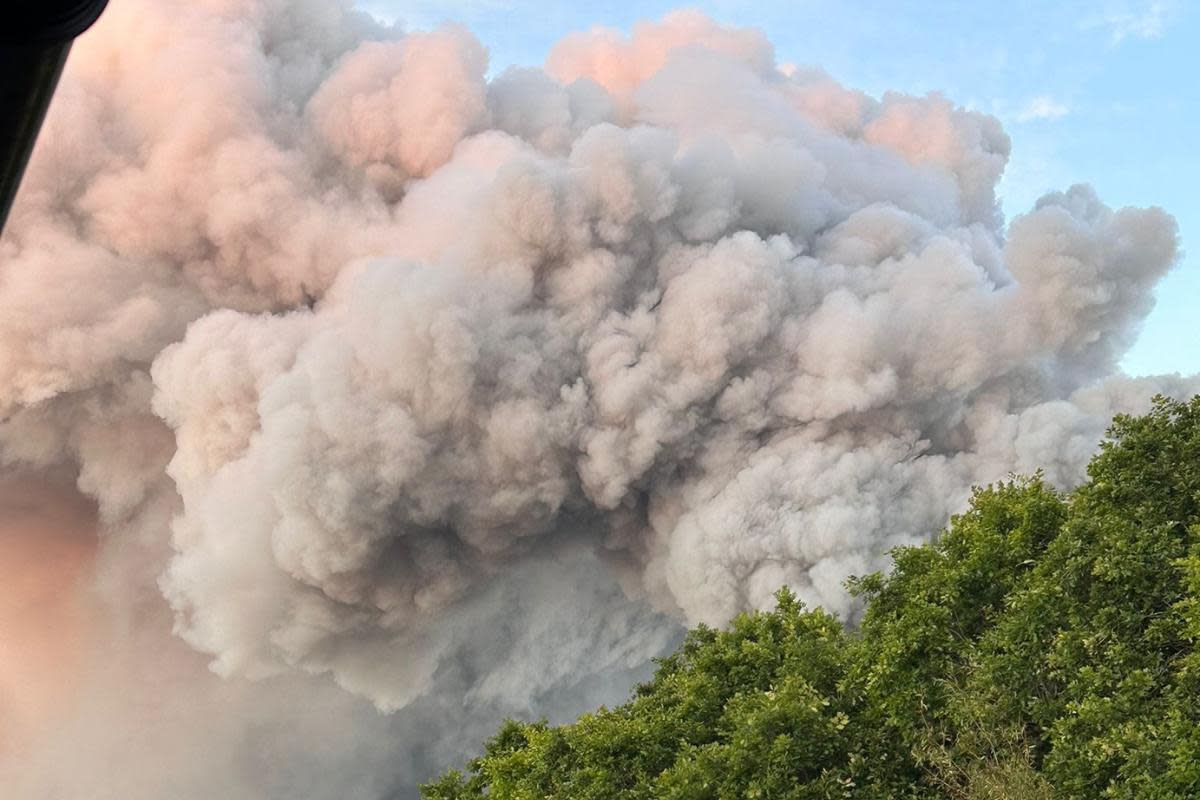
(35, 37)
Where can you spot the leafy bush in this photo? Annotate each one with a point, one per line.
(1042, 646)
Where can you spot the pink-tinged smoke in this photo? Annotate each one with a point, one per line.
(403, 398)
(46, 544)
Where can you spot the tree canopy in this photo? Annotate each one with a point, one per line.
(1041, 646)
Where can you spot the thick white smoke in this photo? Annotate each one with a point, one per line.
(466, 392)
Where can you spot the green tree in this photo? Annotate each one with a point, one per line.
(1042, 646)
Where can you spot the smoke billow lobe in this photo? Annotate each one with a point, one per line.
(465, 392)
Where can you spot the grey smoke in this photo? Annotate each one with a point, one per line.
(409, 399)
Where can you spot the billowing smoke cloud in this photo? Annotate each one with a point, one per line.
(396, 388)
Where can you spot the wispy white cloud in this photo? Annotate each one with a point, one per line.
(1042, 107)
(1139, 20)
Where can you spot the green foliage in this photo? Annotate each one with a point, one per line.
(1042, 646)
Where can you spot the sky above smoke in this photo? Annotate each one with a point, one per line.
(351, 400)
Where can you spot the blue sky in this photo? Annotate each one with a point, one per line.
(1101, 92)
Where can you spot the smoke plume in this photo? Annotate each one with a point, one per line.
(404, 398)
